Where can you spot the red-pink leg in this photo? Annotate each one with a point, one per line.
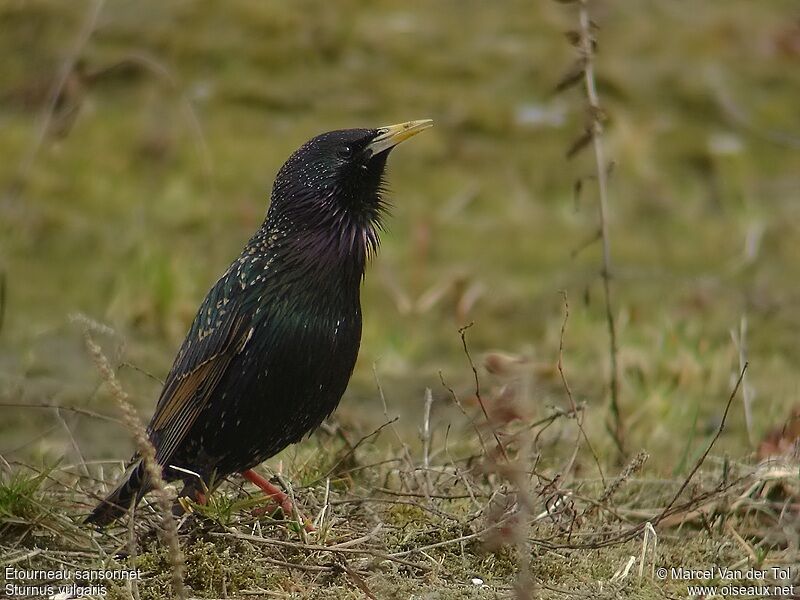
(274, 492)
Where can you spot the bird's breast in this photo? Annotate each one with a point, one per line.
(304, 348)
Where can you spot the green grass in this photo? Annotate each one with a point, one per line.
(18, 495)
(131, 214)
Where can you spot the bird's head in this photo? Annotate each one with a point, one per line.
(331, 186)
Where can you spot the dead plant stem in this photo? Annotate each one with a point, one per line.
(595, 118)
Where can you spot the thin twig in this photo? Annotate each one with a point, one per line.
(587, 43)
(703, 456)
(74, 409)
(144, 372)
(460, 406)
(463, 333)
(72, 441)
(352, 450)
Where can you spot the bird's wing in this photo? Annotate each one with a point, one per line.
(219, 331)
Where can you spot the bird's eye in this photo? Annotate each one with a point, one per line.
(345, 152)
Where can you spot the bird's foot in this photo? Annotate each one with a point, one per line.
(280, 497)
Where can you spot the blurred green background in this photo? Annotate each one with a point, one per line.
(157, 163)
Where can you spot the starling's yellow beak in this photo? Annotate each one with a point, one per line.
(392, 135)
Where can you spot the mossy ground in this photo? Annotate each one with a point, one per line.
(156, 169)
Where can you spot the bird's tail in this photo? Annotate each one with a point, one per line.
(115, 505)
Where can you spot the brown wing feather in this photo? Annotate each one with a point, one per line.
(202, 360)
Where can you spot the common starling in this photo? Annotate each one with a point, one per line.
(272, 347)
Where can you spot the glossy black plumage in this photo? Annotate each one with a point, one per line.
(273, 345)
